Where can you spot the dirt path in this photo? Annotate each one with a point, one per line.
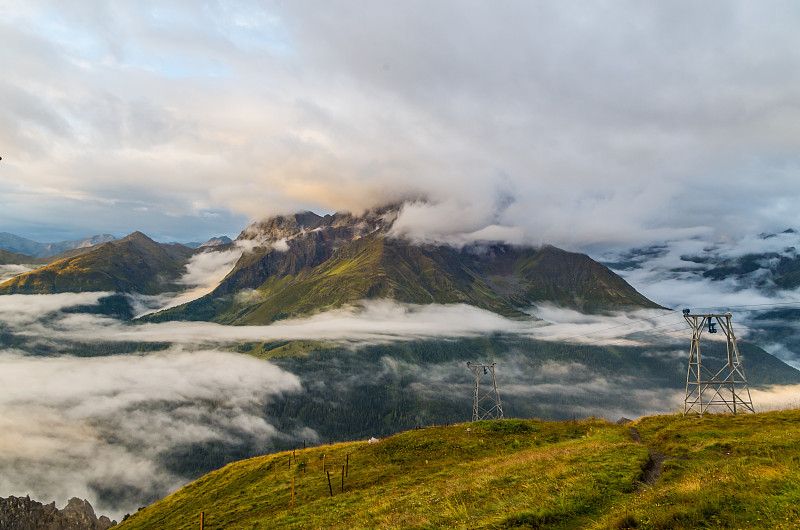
(656, 465)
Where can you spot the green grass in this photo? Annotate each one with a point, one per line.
(739, 472)
(736, 472)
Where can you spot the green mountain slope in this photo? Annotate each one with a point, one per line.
(133, 264)
(505, 279)
(721, 472)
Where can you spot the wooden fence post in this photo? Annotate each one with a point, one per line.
(202, 520)
(330, 488)
(347, 465)
(323, 463)
(342, 479)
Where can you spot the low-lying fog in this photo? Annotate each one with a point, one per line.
(126, 429)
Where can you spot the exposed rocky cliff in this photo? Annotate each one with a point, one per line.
(22, 513)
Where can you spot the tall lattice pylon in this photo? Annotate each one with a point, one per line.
(485, 405)
(726, 387)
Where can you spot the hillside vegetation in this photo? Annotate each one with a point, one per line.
(500, 278)
(133, 264)
(727, 472)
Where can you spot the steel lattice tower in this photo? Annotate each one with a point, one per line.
(485, 406)
(727, 387)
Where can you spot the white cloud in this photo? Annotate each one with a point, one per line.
(204, 272)
(84, 426)
(9, 271)
(371, 322)
(77, 426)
(21, 309)
(619, 122)
(777, 397)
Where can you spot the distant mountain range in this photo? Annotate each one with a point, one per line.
(304, 263)
(21, 245)
(757, 278)
(769, 263)
(213, 242)
(27, 248)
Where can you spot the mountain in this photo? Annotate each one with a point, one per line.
(135, 263)
(769, 263)
(23, 513)
(21, 245)
(213, 242)
(216, 241)
(305, 262)
(513, 474)
(12, 258)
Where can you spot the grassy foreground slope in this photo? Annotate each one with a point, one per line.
(734, 472)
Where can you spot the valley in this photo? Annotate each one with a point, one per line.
(316, 329)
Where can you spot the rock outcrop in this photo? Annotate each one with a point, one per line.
(22, 513)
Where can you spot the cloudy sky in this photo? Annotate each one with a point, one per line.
(568, 122)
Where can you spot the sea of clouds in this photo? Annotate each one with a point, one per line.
(113, 428)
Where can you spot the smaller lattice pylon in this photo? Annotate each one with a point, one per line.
(485, 405)
(725, 388)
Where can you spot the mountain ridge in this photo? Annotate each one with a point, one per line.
(305, 262)
(134, 263)
(29, 247)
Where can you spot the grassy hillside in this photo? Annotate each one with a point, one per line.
(723, 472)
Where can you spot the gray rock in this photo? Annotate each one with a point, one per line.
(22, 513)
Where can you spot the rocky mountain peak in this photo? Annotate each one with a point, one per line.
(343, 226)
(280, 227)
(22, 513)
(137, 237)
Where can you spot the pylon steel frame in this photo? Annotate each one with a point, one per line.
(727, 387)
(485, 406)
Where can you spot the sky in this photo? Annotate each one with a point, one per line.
(573, 123)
